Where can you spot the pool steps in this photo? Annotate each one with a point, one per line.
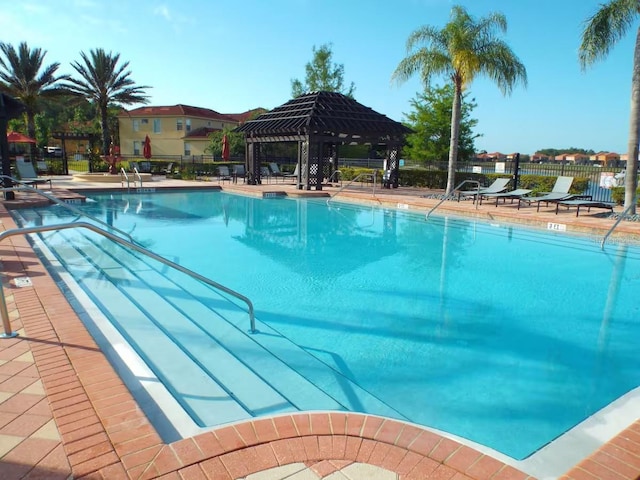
(238, 375)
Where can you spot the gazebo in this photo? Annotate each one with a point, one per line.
(319, 122)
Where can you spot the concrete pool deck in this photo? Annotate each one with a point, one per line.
(65, 413)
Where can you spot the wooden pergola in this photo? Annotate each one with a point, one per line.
(319, 122)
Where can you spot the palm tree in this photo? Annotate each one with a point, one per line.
(601, 33)
(103, 82)
(21, 77)
(463, 50)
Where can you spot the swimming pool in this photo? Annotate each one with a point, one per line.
(505, 336)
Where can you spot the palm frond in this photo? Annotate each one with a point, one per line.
(603, 30)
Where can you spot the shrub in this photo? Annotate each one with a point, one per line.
(617, 194)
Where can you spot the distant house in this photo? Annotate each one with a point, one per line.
(607, 158)
(540, 157)
(497, 156)
(577, 158)
(174, 130)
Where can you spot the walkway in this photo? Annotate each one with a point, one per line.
(65, 412)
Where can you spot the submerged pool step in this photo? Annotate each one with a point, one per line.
(210, 340)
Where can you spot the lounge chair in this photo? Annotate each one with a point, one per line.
(292, 175)
(275, 170)
(584, 203)
(29, 175)
(169, 169)
(499, 185)
(560, 191)
(223, 174)
(239, 172)
(512, 195)
(265, 174)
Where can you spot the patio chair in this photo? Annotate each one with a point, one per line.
(223, 174)
(589, 204)
(292, 175)
(560, 191)
(512, 195)
(29, 175)
(41, 166)
(133, 166)
(275, 170)
(265, 173)
(239, 172)
(168, 170)
(499, 185)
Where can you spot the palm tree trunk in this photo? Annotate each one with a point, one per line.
(455, 133)
(104, 125)
(631, 178)
(31, 132)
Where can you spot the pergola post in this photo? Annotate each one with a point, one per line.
(392, 166)
(253, 163)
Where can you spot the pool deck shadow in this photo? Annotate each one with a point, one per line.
(65, 413)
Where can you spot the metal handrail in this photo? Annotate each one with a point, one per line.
(620, 218)
(338, 172)
(137, 174)
(374, 175)
(123, 177)
(452, 192)
(26, 188)
(64, 226)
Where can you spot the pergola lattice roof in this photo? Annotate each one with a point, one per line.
(326, 114)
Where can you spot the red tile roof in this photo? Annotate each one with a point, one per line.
(202, 132)
(177, 111)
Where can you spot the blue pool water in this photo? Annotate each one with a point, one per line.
(506, 336)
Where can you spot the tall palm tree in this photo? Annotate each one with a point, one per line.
(102, 81)
(23, 76)
(602, 31)
(463, 50)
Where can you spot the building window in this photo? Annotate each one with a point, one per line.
(188, 129)
(156, 125)
(136, 147)
(179, 124)
(144, 121)
(187, 148)
(136, 125)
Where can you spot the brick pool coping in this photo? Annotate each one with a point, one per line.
(105, 434)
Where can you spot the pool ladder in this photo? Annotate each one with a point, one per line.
(452, 193)
(124, 177)
(617, 222)
(368, 176)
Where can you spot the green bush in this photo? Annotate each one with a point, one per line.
(617, 194)
(437, 179)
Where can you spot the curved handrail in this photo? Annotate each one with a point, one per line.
(452, 192)
(27, 188)
(136, 173)
(64, 226)
(124, 177)
(620, 218)
(338, 172)
(374, 174)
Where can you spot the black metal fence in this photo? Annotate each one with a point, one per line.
(600, 178)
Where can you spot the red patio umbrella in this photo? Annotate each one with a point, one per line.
(15, 137)
(225, 148)
(146, 148)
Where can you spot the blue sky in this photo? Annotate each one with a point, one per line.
(233, 56)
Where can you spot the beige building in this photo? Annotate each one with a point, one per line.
(173, 130)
